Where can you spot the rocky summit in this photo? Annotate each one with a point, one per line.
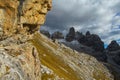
(25, 54)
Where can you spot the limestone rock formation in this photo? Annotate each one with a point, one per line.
(19, 20)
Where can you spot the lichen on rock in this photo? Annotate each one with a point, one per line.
(19, 20)
(16, 15)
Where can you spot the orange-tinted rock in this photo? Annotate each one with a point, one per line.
(19, 20)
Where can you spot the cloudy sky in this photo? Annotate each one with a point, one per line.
(98, 16)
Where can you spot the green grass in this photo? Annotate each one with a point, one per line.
(53, 61)
(53, 58)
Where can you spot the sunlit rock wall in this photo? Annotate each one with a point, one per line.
(19, 20)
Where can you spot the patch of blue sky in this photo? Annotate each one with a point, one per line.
(118, 41)
(105, 45)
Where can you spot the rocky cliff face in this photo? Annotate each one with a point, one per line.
(27, 15)
(19, 20)
(22, 48)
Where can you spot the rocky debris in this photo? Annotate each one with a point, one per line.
(18, 63)
(57, 35)
(113, 46)
(47, 73)
(46, 33)
(19, 20)
(71, 35)
(63, 63)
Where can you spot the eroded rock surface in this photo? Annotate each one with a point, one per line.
(19, 20)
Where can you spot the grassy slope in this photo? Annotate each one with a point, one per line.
(67, 63)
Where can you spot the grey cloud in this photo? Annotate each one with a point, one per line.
(93, 15)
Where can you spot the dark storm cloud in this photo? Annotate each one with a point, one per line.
(62, 18)
(96, 16)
